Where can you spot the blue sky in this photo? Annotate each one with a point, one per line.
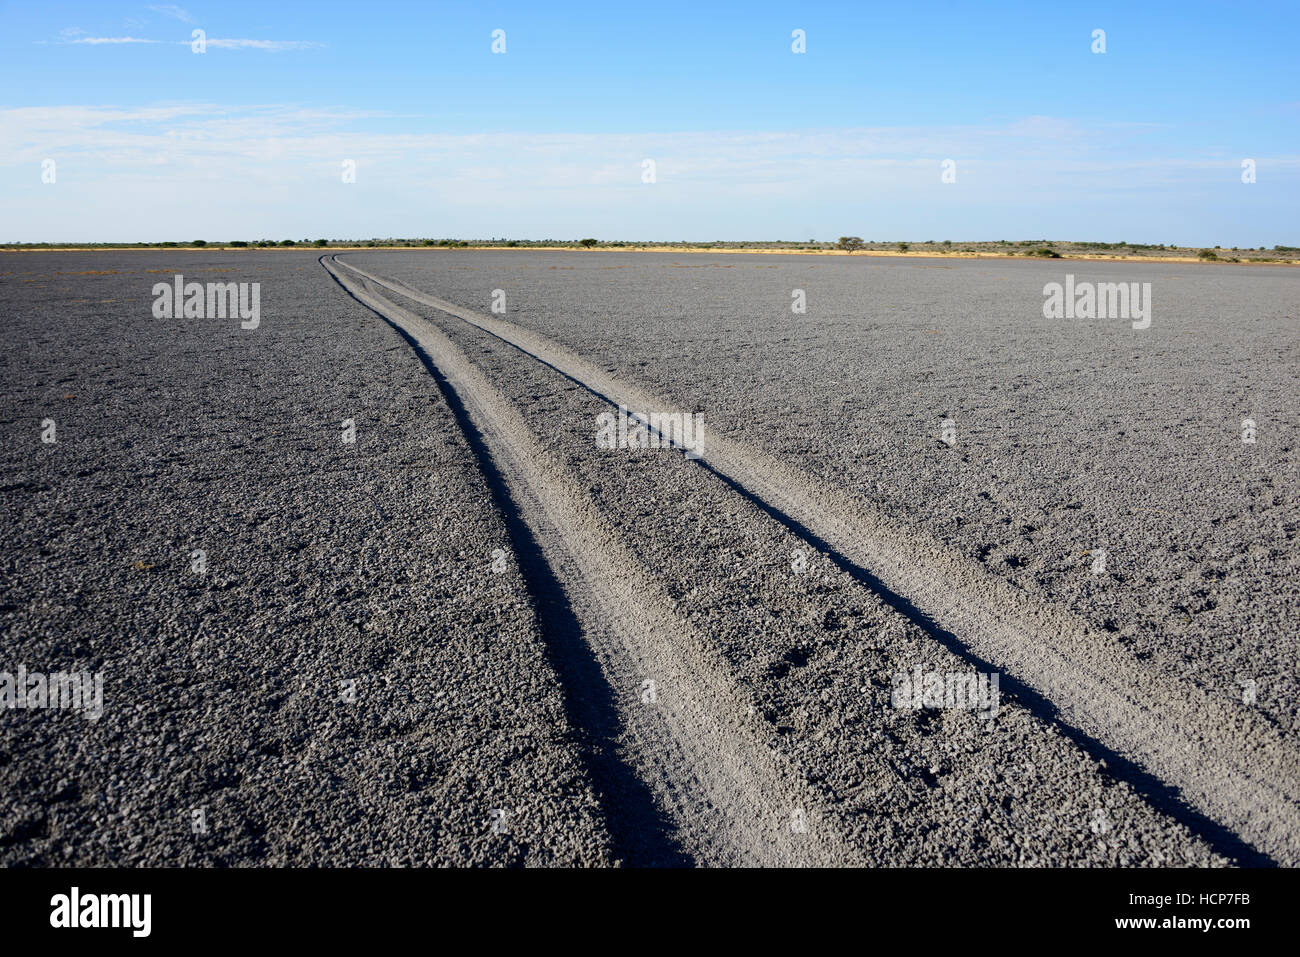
(1143, 143)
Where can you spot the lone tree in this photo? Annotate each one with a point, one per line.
(586, 243)
(850, 243)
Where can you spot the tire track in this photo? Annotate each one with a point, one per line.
(681, 765)
(1217, 766)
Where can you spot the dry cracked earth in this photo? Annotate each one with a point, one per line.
(365, 588)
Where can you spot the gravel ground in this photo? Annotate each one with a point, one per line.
(816, 652)
(1071, 435)
(326, 563)
(470, 741)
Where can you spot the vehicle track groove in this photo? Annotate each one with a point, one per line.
(688, 778)
(1222, 770)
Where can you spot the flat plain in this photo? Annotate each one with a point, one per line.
(474, 635)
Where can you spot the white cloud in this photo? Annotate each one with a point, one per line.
(98, 40)
(76, 35)
(171, 10)
(268, 46)
(273, 169)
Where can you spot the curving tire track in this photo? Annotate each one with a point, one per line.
(720, 794)
(1211, 762)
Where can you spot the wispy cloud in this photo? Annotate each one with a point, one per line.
(276, 168)
(99, 40)
(171, 10)
(79, 36)
(268, 46)
(1022, 153)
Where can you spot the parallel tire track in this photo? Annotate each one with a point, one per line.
(1214, 756)
(697, 746)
